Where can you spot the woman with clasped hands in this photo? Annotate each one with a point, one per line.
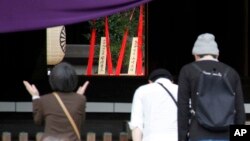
(47, 110)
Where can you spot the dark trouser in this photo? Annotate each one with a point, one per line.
(213, 140)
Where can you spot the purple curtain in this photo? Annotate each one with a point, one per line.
(24, 15)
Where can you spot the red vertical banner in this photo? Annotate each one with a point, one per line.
(123, 46)
(91, 52)
(139, 70)
(122, 52)
(109, 58)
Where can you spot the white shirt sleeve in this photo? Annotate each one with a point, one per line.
(136, 112)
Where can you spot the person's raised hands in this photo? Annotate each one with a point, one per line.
(81, 90)
(31, 88)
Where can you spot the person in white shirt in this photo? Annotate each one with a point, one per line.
(154, 110)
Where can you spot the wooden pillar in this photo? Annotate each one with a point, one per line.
(246, 44)
(6, 136)
(23, 136)
(123, 136)
(107, 136)
(91, 136)
(39, 136)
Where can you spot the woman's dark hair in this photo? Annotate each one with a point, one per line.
(63, 78)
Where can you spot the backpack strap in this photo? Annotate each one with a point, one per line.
(171, 95)
(197, 67)
(227, 81)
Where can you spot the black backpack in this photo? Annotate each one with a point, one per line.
(215, 100)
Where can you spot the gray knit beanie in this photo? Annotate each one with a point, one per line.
(205, 44)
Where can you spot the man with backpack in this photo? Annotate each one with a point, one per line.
(210, 96)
